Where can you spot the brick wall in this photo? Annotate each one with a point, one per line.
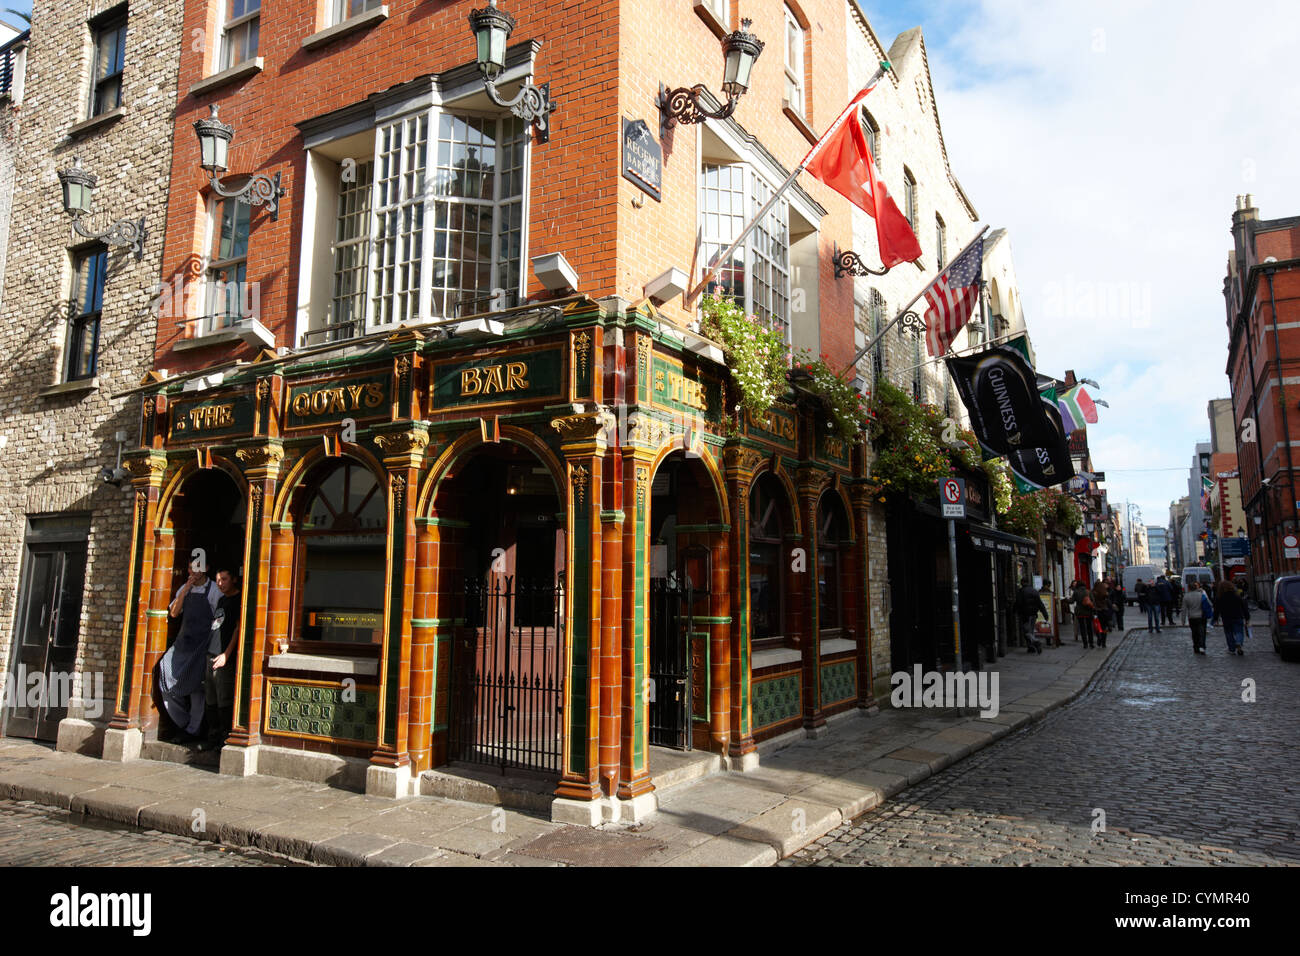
(55, 446)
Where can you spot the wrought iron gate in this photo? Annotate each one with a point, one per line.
(670, 690)
(507, 676)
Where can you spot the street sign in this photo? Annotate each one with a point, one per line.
(1291, 541)
(1235, 547)
(952, 497)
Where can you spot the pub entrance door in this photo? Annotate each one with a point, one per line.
(47, 626)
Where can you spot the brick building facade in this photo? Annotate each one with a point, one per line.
(78, 330)
(1262, 298)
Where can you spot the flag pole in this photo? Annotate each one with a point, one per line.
(903, 311)
(884, 67)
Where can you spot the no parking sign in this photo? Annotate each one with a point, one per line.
(952, 497)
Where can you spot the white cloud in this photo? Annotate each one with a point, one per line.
(1111, 139)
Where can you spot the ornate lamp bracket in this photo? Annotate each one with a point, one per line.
(850, 263)
(124, 232)
(259, 189)
(533, 105)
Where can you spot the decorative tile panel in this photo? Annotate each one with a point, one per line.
(319, 710)
(776, 699)
(839, 682)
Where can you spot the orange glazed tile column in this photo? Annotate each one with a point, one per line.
(584, 442)
(261, 459)
(634, 733)
(389, 773)
(809, 489)
(424, 636)
(124, 736)
(740, 464)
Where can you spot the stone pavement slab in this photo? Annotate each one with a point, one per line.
(802, 789)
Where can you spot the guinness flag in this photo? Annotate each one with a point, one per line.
(1050, 463)
(1000, 390)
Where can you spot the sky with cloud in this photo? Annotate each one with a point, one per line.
(1111, 137)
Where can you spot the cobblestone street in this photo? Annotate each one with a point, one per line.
(33, 835)
(1184, 771)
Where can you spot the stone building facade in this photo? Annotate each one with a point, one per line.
(902, 121)
(100, 88)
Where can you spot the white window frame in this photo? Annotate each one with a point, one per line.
(340, 11)
(206, 321)
(794, 70)
(98, 29)
(230, 24)
(754, 189)
(911, 207)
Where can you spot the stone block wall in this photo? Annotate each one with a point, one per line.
(55, 441)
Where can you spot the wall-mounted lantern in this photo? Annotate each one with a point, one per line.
(214, 149)
(683, 105)
(79, 200)
(492, 28)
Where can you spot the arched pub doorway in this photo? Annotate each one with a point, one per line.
(685, 522)
(207, 515)
(503, 555)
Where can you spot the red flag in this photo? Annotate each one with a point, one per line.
(842, 160)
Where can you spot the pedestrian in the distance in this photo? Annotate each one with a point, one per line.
(1117, 601)
(1083, 613)
(1177, 587)
(1029, 605)
(1199, 610)
(1101, 604)
(1152, 601)
(1234, 613)
(1165, 598)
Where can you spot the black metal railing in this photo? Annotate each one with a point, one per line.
(507, 676)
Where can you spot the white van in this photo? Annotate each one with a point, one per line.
(1204, 575)
(1132, 575)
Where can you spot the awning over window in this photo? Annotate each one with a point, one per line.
(999, 542)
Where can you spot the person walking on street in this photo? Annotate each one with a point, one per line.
(1151, 602)
(1165, 598)
(1199, 610)
(1029, 605)
(1117, 601)
(1083, 613)
(1177, 587)
(1234, 613)
(1101, 603)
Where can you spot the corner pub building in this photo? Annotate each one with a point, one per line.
(481, 521)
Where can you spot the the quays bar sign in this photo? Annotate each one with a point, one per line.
(499, 379)
(326, 401)
(222, 416)
(775, 426)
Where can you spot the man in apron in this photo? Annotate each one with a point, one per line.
(183, 666)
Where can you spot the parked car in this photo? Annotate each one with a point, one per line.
(1132, 575)
(1284, 617)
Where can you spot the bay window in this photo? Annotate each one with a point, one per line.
(758, 275)
(422, 218)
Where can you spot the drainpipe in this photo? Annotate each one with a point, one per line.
(1286, 428)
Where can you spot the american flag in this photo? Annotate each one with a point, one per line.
(952, 298)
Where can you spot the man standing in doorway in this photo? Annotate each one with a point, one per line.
(180, 677)
(220, 679)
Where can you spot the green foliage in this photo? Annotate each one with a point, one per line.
(917, 445)
(846, 405)
(756, 355)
